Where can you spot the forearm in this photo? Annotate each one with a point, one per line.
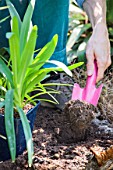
(98, 46)
(96, 11)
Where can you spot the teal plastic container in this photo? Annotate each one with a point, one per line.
(20, 137)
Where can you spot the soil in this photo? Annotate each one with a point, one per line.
(26, 108)
(77, 138)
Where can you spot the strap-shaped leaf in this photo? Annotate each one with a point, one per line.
(61, 65)
(35, 74)
(15, 48)
(43, 55)
(13, 12)
(9, 123)
(4, 19)
(26, 25)
(33, 83)
(73, 66)
(15, 26)
(28, 134)
(59, 69)
(27, 55)
(5, 70)
(4, 7)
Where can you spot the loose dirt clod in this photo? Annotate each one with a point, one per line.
(78, 119)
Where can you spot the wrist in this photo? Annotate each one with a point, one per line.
(96, 11)
(100, 33)
(101, 28)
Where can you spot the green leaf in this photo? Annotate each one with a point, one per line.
(4, 19)
(28, 134)
(31, 84)
(76, 65)
(5, 70)
(15, 49)
(36, 97)
(9, 35)
(42, 57)
(34, 75)
(45, 54)
(4, 7)
(27, 55)
(61, 65)
(26, 25)
(13, 11)
(9, 123)
(71, 67)
(55, 84)
(15, 27)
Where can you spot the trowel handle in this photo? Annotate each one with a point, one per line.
(91, 80)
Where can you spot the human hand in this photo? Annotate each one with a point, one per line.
(98, 48)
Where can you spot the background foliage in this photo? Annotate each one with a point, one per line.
(80, 30)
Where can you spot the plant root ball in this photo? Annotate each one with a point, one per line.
(78, 119)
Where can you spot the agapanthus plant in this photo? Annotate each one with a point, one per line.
(23, 74)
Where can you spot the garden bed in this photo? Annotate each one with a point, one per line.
(56, 146)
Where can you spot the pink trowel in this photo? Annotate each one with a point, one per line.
(90, 93)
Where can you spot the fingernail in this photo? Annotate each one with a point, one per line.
(97, 80)
(89, 72)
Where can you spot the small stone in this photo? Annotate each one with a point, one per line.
(18, 168)
(36, 165)
(51, 167)
(73, 168)
(43, 145)
(26, 166)
(57, 130)
(69, 156)
(41, 130)
(56, 156)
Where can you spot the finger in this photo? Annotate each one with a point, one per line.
(100, 74)
(90, 62)
(108, 57)
(102, 66)
(108, 62)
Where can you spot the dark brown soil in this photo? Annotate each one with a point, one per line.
(26, 108)
(79, 116)
(78, 138)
